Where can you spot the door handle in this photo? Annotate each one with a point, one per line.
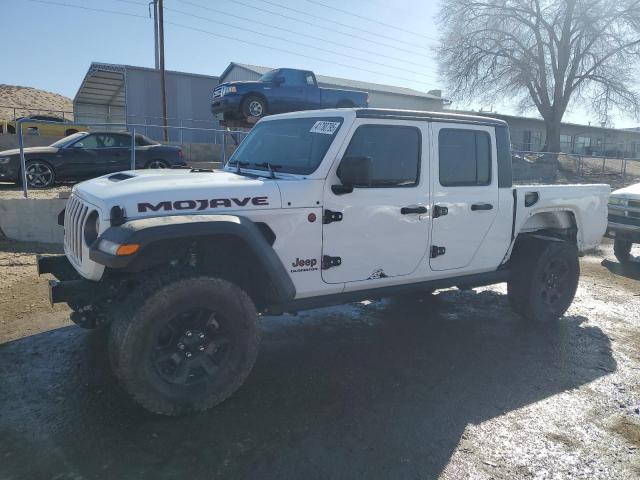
(413, 209)
(481, 206)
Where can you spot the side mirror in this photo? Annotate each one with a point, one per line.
(353, 172)
(279, 80)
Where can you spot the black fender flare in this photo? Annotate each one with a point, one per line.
(149, 231)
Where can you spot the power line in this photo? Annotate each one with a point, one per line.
(351, 27)
(290, 52)
(82, 7)
(316, 2)
(307, 45)
(132, 2)
(228, 37)
(276, 27)
(315, 25)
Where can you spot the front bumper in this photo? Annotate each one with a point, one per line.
(69, 286)
(227, 106)
(620, 231)
(9, 172)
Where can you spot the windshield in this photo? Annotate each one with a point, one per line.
(295, 145)
(63, 142)
(269, 76)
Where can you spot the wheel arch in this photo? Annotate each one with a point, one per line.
(556, 223)
(233, 247)
(550, 225)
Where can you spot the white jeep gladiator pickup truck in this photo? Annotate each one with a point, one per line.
(314, 208)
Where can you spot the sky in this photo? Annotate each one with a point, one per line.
(49, 44)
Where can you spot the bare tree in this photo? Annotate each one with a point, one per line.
(547, 54)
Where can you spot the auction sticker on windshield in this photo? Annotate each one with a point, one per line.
(328, 128)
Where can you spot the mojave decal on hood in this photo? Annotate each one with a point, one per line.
(162, 192)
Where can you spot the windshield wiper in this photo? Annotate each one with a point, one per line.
(240, 164)
(271, 167)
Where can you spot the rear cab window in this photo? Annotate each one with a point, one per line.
(464, 157)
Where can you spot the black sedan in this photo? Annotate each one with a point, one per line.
(86, 155)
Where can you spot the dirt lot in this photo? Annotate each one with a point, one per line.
(454, 386)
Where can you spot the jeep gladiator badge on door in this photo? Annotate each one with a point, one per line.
(314, 208)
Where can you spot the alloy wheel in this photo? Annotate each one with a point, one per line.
(554, 282)
(157, 164)
(255, 108)
(39, 175)
(191, 347)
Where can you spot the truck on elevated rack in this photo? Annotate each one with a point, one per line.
(283, 90)
(314, 208)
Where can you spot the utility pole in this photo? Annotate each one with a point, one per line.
(154, 5)
(162, 72)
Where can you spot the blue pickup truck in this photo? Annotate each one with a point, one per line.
(279, 91)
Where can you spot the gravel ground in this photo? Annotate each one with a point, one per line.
(452, 386)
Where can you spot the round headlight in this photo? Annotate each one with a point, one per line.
(91, 228)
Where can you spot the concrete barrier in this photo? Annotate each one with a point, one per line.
(9, 142)
(32, 219)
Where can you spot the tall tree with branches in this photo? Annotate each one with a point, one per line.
(547, 54)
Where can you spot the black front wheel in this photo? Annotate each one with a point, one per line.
(544, 278)
(187, 346)
(39, 174)
(254, 107)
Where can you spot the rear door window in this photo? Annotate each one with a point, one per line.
(464, 158)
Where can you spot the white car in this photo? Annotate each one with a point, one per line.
(624, 221)
(314, 208)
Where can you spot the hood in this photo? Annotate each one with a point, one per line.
(145, 193)
(243, 82)
(28, 150)
(632, 191)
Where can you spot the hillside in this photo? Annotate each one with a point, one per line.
(32, 99)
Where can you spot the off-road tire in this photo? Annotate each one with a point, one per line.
(249, 110)
(544, 278)
(622, 250)
(134, 332)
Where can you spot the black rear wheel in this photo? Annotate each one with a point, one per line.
(187, 346)
(622, 250)
(544, 278)
(153, 164)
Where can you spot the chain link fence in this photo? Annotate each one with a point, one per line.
(203, 151)
(570, 168)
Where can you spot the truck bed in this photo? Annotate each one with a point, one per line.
(587, 203)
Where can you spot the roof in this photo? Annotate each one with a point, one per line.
(104, 83)
(540, 120)
(341, 82)
(388, 113)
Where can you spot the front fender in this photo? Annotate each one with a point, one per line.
(148, 232)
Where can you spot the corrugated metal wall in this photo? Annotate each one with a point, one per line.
(188, 103)
(90, 113)
(239, 74)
